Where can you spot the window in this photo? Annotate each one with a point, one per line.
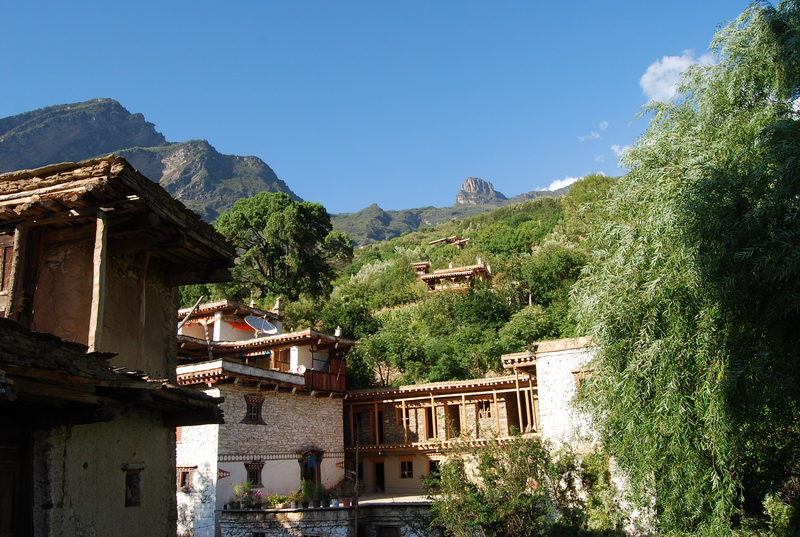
(484, 409)
(178, 434)
(580, 377)
(133, 483)
(133, 488)
(185, 476)
(406, 469)
(253, 411)
(429, 430)
(254, 472)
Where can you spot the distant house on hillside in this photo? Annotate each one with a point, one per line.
(92, 255)
(394, 436)
(283, 407)
(452, 278)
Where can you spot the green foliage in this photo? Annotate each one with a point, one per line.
(517, 229)
(285, 247)
(690, 293)
(528, 325)
(520, 488)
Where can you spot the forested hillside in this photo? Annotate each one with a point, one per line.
(535, 250)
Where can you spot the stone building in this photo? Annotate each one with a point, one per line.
(283, 408)
(394, 436)
(92, 255)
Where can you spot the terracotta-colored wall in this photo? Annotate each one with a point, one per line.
(63, 297)
(63, 300)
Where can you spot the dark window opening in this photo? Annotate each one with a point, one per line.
(406, 469)
(429, 430)
(380, 427)
(133, 488)
(453, 417)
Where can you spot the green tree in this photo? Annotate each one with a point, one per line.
(285, 247)
(522, 488)
(691, 296)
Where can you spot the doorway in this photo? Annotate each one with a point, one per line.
(380, 478)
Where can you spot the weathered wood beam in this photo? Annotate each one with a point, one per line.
(98, 282)
(142, 288)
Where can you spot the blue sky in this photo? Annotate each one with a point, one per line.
(360, 102)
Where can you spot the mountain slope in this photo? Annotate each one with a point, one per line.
(194, 172)
(476, 196)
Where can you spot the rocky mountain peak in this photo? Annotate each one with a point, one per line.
(477, 191)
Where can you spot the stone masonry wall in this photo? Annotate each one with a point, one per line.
(196, 504)
(290, 421)
(405, 520)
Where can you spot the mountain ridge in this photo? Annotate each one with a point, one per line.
(207, 181)
(193, 171)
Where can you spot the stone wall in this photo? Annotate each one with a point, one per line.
(374, 520)
(196, 503)
(290, 421)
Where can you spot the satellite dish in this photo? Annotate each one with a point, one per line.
(261, 325)
(301, 369)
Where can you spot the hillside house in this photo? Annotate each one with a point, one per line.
(283, 406)
(394, 436)
(452, 278)
(92, 255)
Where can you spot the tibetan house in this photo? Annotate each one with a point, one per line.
(283, 408)
(394, 436)
(93, 253)
(453, 278)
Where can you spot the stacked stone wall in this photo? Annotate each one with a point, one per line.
(410, 520)
(196, 503)
(290, 422)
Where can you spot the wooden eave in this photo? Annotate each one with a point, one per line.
(433, 446)
(141, 215)
(526, 360)
(52, 381)
(455, 272)
(439, 389)
(227, 307)
(222, 371)
(309, 337)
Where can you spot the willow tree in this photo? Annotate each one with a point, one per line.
(693, 295)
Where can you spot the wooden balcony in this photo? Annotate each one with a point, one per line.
(329, 382)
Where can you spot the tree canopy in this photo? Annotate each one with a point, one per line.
(285, 247)
(692, 293)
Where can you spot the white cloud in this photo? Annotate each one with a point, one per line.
(619, 149)
(593, 135)
(603, 125)
(561, 183)
(659, 82)
(600, 158)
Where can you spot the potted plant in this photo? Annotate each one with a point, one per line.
(347, 495)
(334, 493)
(277, 501)
(294, 499)
(252, 499)
(307, 491)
